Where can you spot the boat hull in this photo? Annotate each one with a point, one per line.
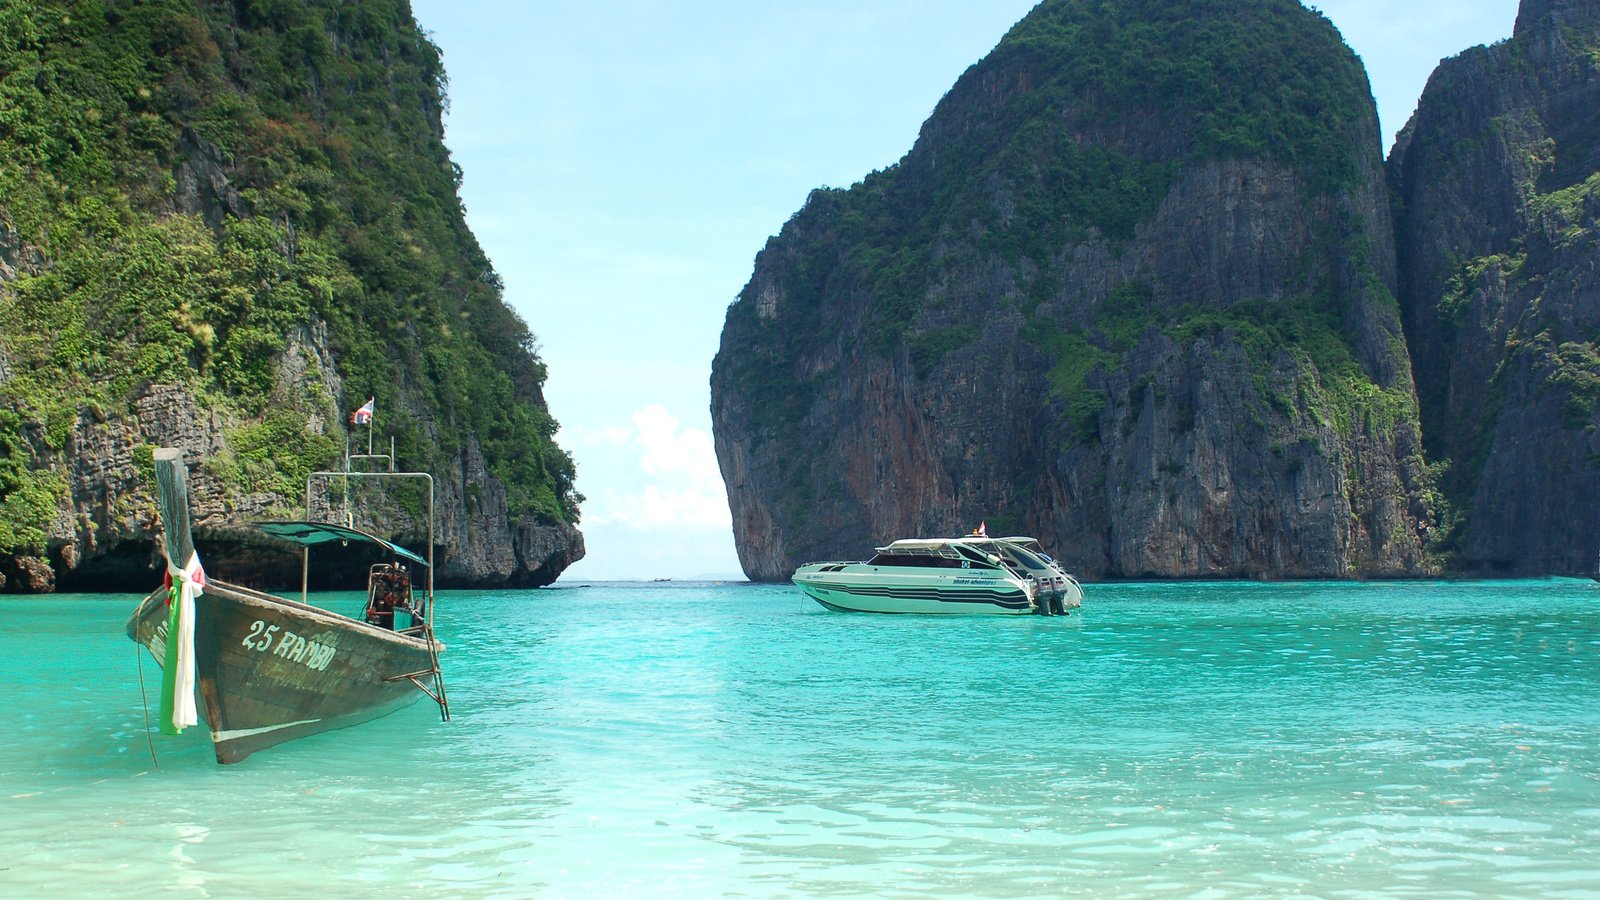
(859, 587)
(271, 670)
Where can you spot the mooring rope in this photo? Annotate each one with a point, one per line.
(138, 655)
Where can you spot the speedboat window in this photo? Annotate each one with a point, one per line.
(1028, 560)
(978, 558)
(915, 560)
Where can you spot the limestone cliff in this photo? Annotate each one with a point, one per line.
(1497, 184)
(223, 226)
(1131, 292)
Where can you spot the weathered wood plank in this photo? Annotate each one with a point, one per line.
(172, 484)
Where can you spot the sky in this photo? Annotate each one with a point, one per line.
(625, 160)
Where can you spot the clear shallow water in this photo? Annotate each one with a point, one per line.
(683, 740)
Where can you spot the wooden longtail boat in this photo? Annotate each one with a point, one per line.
(270, 669)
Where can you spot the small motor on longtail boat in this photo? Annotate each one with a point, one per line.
(389, 592)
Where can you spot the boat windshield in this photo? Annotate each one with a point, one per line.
(1025, 559)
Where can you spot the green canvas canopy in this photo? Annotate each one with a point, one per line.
(309, 533)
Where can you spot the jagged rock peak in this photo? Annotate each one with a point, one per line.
(1497, 181)
(1583, 14)
(1131, 292)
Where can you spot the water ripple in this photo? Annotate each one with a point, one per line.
(1194, 740)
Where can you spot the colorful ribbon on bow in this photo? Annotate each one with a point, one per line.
(178, 672)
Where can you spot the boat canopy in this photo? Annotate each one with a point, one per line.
(975, 549)
(308, 533)
(917, 544)
(1026, 543)
(967, 540)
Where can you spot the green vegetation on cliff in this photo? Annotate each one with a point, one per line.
(1496, 189)
(1255, 79)
(187, 185)
(1130, 214)
(1071, 131)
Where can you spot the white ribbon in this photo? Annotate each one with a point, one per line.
(190, 581)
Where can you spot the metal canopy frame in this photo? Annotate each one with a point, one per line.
(346, 474)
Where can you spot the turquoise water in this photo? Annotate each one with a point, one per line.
(684, 740)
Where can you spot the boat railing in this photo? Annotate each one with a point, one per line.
(947, 551)
(831, 562)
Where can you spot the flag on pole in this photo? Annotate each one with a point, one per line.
(362, 416)
(983, 529)
(178, 666)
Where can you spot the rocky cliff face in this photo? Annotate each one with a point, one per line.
(105, 532)
(223, 226)
(1131, 292)
(1497, 180)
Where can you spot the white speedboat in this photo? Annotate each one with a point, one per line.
(972, 575)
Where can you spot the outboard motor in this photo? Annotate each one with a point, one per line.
(1041, 596)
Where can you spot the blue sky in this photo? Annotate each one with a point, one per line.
(625, 160)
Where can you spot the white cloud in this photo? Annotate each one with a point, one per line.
(681, 485)
(668, 451)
